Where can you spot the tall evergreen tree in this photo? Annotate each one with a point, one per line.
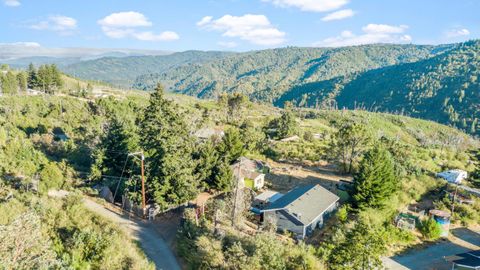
(376, 180)
(22, 81)
(207, 158)
(222, 176)
(32, 76)
(231, 147)
(112, 152)
(49, 78)
(167, 143)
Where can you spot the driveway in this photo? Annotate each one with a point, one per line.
(432, 256)
(150, 241)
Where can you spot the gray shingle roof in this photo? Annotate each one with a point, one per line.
(305, 203)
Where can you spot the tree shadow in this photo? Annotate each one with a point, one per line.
(467, 235)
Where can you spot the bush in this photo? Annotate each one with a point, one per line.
(51, 177)
(430, 229)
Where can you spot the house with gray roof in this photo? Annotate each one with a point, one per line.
(302, 209)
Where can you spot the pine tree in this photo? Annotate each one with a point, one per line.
(287, 125)
(112, 152)
(223, 176)
(206, 157)
(376, 180)
(22, 81)
(32, 77)
(168, 147)
(231, 147)
(49, 78)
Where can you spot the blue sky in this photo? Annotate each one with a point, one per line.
(237, 25)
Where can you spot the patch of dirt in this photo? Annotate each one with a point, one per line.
(286, 175)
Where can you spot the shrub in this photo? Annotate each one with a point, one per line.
(50, 177)
(430, 229)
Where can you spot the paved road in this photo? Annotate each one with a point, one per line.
(151, 242)
(432, 257)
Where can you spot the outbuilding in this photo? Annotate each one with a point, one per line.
(463, 261)
(453, 176)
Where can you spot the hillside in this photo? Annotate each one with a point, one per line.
(74, 142)
(267, 74)
(122, 71)
(444, 88)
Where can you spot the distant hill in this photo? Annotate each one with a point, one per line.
(122, 71)
(40, 60)
(444, 88)
(265, 75)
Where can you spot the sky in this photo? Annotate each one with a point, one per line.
(234, 25)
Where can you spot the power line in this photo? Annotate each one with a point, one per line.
(120, 180)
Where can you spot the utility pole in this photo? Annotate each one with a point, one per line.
(237, 180)
(142, 159)
(454, 198)
(144, 206)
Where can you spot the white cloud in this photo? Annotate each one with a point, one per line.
(372, 33)
(125, 25)
(310, 5)
(125, 19)
(457, 32)
(12, 3)
(149, 36)
(205, 20)
(227, 44)
(255, 29)
(58, 23)
(20, 44)
(339, 15)
(384, 29)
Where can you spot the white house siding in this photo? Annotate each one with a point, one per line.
(259, 182)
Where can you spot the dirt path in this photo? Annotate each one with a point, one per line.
(150, 240)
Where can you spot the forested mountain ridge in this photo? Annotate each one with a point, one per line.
(432, 82)
(444, 88)
(265, 75)
(122, 71)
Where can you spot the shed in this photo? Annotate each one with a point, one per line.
(467, 260)
(453, 176)
(249, 173)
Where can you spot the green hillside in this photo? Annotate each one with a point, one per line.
(265, 75)
(73, 142)
(444, 88)
(122, 71)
